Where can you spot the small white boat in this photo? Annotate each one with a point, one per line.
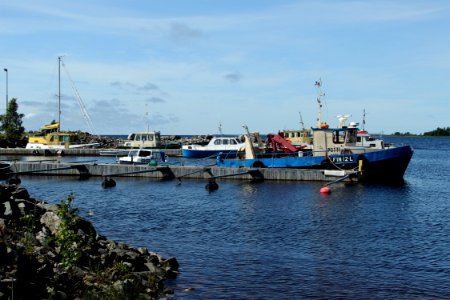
(364, 139)
(228, 146)
(144, 157)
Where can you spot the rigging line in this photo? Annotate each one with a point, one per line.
(53, 82)
(80, 101)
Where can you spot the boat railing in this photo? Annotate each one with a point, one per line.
(345, 151)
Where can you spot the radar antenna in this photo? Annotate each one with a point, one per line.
(342, 119)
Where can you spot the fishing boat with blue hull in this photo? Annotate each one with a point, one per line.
(223, 145)
(333, 149)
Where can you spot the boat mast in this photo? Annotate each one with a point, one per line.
(146, 117)
(364, 119)
(318, 84)
(59, 93)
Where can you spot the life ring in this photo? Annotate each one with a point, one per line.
(323, 125)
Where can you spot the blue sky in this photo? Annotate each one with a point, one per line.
(186, 66)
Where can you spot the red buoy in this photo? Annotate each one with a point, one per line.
(325, 190)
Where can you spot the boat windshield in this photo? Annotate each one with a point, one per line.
(144, 153)
(351, 136)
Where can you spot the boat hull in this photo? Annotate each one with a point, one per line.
(388, 165)
(193, 153)
(39, 146)
(383, 165)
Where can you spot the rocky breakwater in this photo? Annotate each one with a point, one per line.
(49, 252)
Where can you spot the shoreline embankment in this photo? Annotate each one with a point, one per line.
(47, 251)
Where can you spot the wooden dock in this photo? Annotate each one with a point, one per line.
(161, 172)
(73, 152)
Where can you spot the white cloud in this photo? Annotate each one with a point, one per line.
(182, 63)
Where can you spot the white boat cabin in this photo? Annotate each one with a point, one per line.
(343, 140)
(364, 139)
(224, 141)
(328, 141)
(150, 139)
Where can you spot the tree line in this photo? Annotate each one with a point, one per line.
(445, 131)
(438, 132)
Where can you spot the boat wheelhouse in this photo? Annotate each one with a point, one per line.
(297, 137)
(147, 139)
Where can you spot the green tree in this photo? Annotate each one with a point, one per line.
(438, 132)
(11, 122)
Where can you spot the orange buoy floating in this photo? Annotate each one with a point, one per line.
(325, 190)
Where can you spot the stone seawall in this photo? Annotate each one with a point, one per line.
(49, 252)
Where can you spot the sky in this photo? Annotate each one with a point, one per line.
(189, 66)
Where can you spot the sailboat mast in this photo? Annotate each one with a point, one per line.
(59, 93)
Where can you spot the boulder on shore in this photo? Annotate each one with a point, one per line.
(49, 252)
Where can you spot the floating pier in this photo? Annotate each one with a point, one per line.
(86, 169)
(71, 152)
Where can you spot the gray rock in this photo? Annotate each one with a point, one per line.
(30, 260)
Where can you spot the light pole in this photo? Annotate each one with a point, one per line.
(6, 71)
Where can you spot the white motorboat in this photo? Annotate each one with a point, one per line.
(228, 146)
(144, 157)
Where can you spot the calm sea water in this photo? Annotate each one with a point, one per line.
(278, 240)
